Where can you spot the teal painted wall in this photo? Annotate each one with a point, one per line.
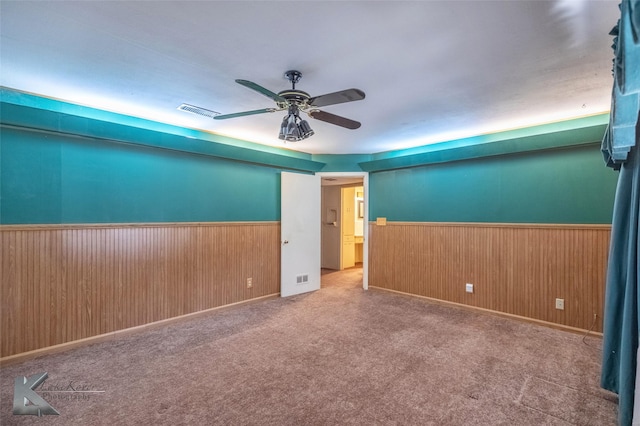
(555, 186)
(62, 168)
(53, 178)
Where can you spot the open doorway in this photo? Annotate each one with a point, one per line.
(344, 228)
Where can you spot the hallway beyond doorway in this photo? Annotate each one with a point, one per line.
(347, 278)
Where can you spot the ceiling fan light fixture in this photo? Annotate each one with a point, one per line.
(305, 129)
(283, 127)
(294, 136)
(292, 131)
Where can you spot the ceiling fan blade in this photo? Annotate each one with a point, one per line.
(268, 93)
(334, 119)
(348, 95)
(242, 114)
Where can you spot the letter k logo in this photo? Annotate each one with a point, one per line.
(23, 394)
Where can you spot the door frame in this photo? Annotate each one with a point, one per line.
(365, 244)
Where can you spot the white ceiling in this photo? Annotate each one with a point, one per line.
(431, 70)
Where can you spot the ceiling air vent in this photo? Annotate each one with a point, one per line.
(197, 110)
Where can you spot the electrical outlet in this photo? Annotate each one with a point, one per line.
(469, 288)
(560, 304)
(249, 282)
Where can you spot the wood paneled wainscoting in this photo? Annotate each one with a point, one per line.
(64, 283)
(517, 269)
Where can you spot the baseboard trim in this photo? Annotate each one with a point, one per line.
(492, 312)
(513, 225)
(25, 356)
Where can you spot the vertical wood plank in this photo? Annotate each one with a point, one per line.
(64, 283)
(516, 269)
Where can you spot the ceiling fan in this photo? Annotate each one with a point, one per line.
(293, 128)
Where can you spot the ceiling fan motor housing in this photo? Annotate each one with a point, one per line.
(293, 96)
(297, 97)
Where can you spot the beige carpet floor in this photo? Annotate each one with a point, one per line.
(337, 356)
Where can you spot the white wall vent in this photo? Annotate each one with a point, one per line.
(302, 279)
(197, 110)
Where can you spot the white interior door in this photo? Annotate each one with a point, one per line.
(299, 234)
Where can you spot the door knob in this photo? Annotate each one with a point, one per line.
(285, 242)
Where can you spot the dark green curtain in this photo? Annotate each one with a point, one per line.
(621, 322)
(622, 152)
